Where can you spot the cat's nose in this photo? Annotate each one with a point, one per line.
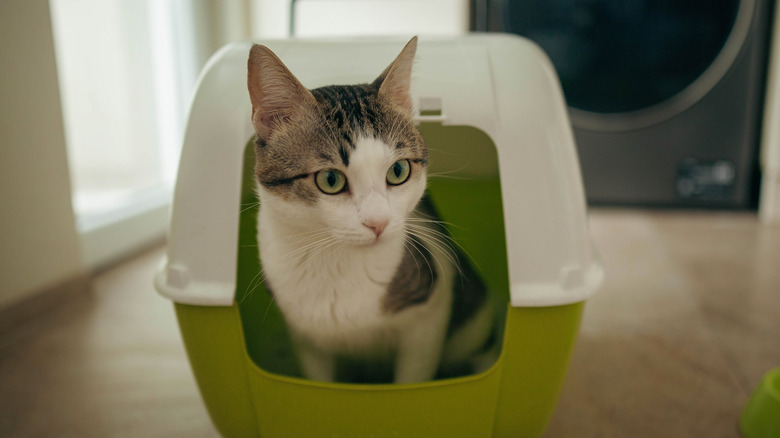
(377, 226)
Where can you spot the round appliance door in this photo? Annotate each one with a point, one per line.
(627, 64)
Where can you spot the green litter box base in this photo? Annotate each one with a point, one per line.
(515, 398)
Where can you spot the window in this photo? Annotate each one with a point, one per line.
(126, 70)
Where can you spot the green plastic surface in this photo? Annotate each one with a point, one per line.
(250, 381)
(761, 417)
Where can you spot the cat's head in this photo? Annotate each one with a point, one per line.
(346, 159)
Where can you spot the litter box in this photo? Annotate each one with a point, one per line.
(504, 172)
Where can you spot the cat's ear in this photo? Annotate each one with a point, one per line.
(275, 93)
(394, 82)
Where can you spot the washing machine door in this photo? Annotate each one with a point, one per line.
(665, 96)
(625, 64)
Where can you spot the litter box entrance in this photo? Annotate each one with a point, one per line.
(465, 188)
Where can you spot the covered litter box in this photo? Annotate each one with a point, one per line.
(503, 170)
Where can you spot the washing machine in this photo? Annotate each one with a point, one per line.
(665, 96)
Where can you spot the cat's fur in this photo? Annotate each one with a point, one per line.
(365, 272)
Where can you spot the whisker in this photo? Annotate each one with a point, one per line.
(265, 315)
(443, 151)
(328, 243)
(415, 239)
(445, 176)
(449, 239)
(434, 221)
(249, 206)
(312, 237)
(302, 254)
(249, 291)
(443, 242)
(307, 234)
(406, 247)
(305, 251)
(436, 260)
(445, 249)
(449, 174)
(409, 241)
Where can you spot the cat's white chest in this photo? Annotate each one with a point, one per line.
(334, 296)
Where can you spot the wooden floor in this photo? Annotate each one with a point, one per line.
(685, 326)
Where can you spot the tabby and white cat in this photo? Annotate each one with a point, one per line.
(350, 247)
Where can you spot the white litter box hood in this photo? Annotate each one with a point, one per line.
(503, 85)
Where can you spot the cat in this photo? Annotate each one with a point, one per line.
(352, 250)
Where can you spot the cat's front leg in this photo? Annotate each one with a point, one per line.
(418, 357)
(413, 365)
(420, 347)
(316, 364)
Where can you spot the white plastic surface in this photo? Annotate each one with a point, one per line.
(503, 85)
(769, 205)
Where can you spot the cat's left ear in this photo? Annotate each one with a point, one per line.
(394, 82)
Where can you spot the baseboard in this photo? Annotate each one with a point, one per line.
(40, 310)
(113, 236)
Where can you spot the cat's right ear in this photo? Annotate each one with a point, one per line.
(275, 93)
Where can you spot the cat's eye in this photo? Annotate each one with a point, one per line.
(330, 181)
(398, 173)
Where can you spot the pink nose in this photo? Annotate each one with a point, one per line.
(376, 226)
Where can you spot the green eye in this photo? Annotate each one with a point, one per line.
(330, 181)
(398, 173)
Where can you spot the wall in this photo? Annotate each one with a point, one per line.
(39, 246)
